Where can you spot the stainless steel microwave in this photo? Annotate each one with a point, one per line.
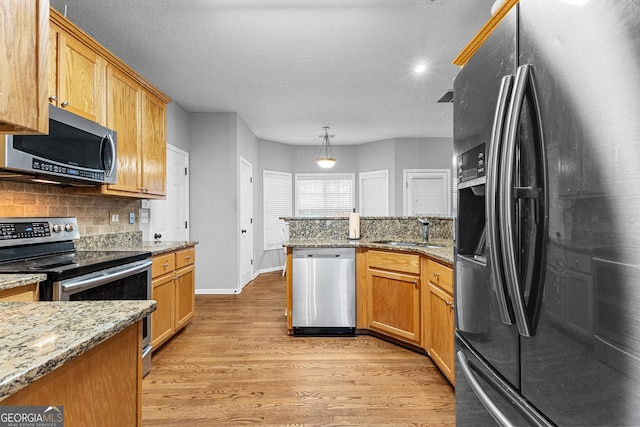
(76, 151)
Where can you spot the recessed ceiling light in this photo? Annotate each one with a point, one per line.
(420, 68)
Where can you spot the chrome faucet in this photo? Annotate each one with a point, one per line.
(425, 229)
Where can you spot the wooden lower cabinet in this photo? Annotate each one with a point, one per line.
(438, 316)
(395, 295)
(173, 290)
(184, 295)
(25, 293)
(102, 386)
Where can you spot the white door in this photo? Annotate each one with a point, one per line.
(246, 222)
(169, 218)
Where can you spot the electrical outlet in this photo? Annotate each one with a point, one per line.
(132, 217)
(144, 216)
(114, 218)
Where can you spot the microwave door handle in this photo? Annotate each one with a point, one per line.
(97, 280)
(493, 185)
(112, 145)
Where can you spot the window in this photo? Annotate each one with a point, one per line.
(276, 196)
(427, 192)
(374, 193)
(322, 195)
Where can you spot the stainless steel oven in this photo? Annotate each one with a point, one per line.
(130, 281)
(46, 245)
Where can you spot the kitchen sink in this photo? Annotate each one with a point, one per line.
(400, 243)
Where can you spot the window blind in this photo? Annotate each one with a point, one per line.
(276, 204)
(428, 192)
(324, 195)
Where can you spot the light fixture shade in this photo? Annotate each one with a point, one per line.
(326, 162)
(325, 157)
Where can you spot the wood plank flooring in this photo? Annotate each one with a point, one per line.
(235, 365)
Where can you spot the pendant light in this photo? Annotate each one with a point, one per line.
(325, 158)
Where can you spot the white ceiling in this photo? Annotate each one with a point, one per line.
(290, 67)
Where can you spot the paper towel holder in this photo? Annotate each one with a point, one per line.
(354, 226)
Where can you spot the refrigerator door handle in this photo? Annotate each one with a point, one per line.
(486, 401)
(526, 316)
(493, 186)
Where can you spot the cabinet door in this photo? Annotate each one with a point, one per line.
(24, 66)
(395, 304)
(162, 320)
(80, 78)
(123, 113)
(154, 147)
(440, 332)
(185, 295)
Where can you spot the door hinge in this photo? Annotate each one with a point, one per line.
(251, 179)
(185, 171)
(251, 262)
(251, 221)
(186, 225)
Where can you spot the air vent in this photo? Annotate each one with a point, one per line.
(447, 97)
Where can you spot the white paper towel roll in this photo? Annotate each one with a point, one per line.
(354, 225)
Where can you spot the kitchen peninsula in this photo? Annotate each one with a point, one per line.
(404, 282)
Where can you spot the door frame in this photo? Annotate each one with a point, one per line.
(241, 208)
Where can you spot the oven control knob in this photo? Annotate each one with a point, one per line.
(68, 227)
(57, 228)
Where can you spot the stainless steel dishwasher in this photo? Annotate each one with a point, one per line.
(324, 291)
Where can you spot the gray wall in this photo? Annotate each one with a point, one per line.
(217, 140)
(214, 208)
(178, 126)
(420, 153)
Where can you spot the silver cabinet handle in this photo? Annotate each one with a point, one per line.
(65, 104)
(53, 98)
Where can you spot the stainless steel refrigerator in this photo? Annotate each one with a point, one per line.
(547, 277)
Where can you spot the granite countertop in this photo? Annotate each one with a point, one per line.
(443, 254)
(37, 338)
(9, 281)
(155, 248)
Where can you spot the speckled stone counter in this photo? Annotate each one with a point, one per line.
(129, 241)
(443, 254)
(36, 338)
(10, 281)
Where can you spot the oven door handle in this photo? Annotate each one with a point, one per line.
(96, 279)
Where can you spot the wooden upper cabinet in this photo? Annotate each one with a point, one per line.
(24, 66)
(153, 145)
(92, 82)
(123, 116)
(79, 77)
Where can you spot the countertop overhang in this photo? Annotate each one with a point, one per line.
(443, 254)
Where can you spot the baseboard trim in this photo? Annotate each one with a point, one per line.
(210, 291)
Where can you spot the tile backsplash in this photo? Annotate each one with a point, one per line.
(19, 199)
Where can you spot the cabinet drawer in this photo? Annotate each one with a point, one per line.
(406, 263)
(440, 275)
(27, 293)
(185, 257)
(163, 264)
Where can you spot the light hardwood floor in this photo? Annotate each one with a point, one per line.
(235, 365)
